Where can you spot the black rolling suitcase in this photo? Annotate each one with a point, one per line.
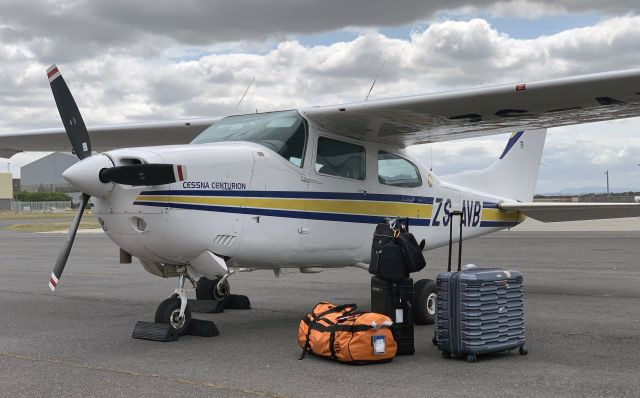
(479, 311)
(395, 300)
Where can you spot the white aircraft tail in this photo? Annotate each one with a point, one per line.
(514, 174)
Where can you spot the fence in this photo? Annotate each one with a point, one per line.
(588, 198)
(17, 205)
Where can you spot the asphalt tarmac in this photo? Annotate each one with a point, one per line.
(582, 327)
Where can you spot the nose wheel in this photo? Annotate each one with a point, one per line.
(176, 310)
(169, 312)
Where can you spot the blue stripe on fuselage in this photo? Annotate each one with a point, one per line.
(356, 218)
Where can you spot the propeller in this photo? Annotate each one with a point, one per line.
(70, 114)
(66, 249)
(79, 138)
(143, 174)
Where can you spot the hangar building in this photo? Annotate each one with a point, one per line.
(45, 174)
(6, 191)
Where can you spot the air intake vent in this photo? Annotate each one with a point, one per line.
(224, 240)
(129, 161)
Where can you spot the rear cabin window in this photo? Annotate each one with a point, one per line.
(396, 171)
(340, 159)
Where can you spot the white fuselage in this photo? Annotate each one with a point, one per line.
(249, 205)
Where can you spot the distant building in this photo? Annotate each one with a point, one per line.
(45, 174)
(6, 191)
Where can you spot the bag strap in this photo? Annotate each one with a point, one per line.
(401, 223)
(342, 328)
(332, 341)
(316, 318)
(338, 308)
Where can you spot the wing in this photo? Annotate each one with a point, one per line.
(553, 212)
(484, 111)
(106, 137)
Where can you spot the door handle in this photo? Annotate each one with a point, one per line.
(303, 230)
(307, 179)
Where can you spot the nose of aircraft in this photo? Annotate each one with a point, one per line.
(84, 175)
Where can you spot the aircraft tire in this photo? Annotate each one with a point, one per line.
(424, 294)
(165, 311)
(206, 289)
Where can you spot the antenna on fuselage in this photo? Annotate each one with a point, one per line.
(245, 93)
(431, 147)
(375, 79)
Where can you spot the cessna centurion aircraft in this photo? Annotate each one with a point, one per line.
(305, 188)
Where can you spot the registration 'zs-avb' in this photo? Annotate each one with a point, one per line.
(305, 188)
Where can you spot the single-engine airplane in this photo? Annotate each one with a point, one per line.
(305, 188)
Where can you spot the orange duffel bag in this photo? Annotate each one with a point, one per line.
(343, 334)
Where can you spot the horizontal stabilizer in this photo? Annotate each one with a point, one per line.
(555, 212)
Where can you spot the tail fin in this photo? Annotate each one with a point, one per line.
(514, 174)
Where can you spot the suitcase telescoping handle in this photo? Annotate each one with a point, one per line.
(461, 214)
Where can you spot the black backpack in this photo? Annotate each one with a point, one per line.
(394, 251)
(412, 252)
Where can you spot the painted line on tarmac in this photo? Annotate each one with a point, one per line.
(555, 236)
(170, 379)
(40, 235)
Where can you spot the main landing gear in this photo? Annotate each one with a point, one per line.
(213, 296)
(216, 289)
(424, 302)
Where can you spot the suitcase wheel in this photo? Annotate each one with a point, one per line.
(446, 354)
(434, 341)
(471, 358)
(523, 351)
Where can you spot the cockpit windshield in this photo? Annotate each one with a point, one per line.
(283, 132)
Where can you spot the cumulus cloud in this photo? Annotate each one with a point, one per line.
(446, 55)
(122, 23)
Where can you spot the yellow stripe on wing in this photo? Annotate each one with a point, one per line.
(498, 215)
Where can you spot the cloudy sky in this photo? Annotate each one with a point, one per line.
(129, 60)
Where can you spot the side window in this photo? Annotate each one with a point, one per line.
(340, 159)
(396, 171)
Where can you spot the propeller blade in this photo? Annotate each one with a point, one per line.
(66, 249)
(143, 174)
(70, 114)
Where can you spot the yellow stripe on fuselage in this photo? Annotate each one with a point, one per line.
(314, 205)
